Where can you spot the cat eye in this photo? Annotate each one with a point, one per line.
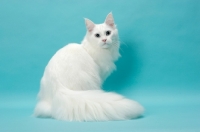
(108, 33)
(97, 35)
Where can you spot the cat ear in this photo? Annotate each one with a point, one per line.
(89, 24)
(110, 20)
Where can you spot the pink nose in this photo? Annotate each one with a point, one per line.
(104, 40)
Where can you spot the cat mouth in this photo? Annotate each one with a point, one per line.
(105, 43)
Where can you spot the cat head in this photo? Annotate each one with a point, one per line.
(103, 35)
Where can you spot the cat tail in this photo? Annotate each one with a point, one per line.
(93, 105)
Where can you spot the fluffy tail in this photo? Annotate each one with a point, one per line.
(91, 105)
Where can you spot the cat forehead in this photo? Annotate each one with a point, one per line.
(102, 27)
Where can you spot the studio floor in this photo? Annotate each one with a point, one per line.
(165, 112)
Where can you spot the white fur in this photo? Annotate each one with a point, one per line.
(71, 84)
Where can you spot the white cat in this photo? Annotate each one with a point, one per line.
(71, 84)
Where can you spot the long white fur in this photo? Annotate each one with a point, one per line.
(71, 84)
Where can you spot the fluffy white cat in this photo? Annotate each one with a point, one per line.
(71, 85)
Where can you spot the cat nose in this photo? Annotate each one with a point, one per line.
(104, 40)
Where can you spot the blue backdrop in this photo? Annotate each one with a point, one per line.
(159, 67)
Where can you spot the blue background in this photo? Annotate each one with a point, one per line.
(159, 67)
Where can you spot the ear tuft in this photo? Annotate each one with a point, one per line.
(89, 24)
(110, 20)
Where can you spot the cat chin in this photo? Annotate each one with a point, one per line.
(106, 46)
